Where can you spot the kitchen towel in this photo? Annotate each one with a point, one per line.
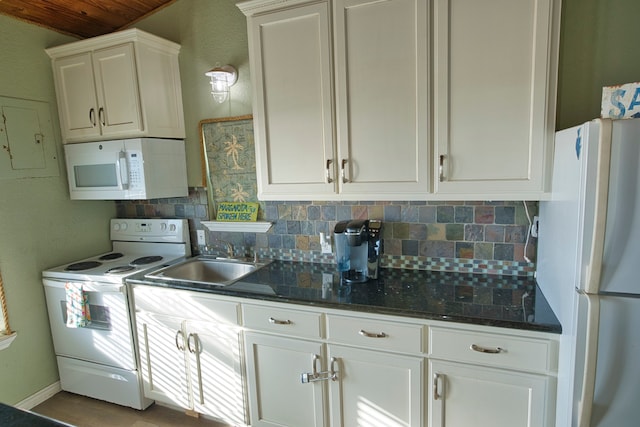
(78, 315)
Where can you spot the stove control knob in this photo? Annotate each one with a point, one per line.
(172, 227)
(116, 226)
(163, 226)
(123, 226)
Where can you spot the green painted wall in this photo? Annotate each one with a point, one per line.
(38, 223)
(598, 47)
(208, 32)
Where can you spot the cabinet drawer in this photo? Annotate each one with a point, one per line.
(283, 321)
(379, 334)
(184, 304)
(504, 351)
(211, 310)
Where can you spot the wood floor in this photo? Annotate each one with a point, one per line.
(86, 412)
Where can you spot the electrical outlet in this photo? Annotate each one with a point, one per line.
(202, 241)
(535, 226)
(325, 243)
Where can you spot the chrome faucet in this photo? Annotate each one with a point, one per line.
(228, 247)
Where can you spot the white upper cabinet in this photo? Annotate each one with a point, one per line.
(382, 86)
(494, 96)
(121, 85)
(293, 110)
(342, 120)
(403, 99)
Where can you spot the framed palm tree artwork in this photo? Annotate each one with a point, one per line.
(228, 160)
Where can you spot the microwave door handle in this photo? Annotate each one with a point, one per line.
(123, 169)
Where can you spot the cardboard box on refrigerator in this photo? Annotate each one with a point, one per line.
(621, 101)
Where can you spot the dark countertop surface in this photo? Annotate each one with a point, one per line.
(489, 300)
(13, 417)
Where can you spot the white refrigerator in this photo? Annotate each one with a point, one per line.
(588, 268)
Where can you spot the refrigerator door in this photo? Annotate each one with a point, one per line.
(560, 244)
(617, 377)
(622, 237)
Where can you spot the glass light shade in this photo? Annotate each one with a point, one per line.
(222, 78)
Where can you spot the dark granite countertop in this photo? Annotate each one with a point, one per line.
(14, 417)
(502, 301)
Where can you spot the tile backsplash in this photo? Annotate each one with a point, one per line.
(472, 237)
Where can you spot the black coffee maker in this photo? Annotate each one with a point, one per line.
(358, 249)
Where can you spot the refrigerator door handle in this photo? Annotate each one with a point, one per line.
(594, 263)
(591, 355)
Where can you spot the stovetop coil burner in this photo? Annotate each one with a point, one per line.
(111, 256)
(84, 265)
(146, 260)
(120, 269)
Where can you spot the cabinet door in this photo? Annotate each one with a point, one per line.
(76, 92)
(277, 396)
(382, 80)
(495, 74)
(117, 90)
(216, 375)
(375, 388)
(162, 358)
(290, 57)
(465, 395)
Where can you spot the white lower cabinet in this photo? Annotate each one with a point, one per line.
(298, 366)
(374, 388)
(277, 395)
(488, 377)
(188, 362)
(465, 395)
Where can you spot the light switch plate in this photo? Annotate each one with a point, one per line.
(201, 238)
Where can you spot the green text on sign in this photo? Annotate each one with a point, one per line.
(233, 211)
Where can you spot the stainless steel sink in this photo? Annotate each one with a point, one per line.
(207, 270)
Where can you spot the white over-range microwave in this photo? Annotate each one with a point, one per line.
(127, 169)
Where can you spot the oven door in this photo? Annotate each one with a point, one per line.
(107, 339)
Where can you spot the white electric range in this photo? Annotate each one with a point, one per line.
(97, 358)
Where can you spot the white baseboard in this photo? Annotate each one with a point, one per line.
(39, 397)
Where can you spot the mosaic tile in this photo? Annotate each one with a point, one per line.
(440, 249)
(515, 233)
(504, 214)
(418, 231)
(503, 251)
(409, 213)
(392, 213)
(454, 231)
(484, 215)
(313, 213)
(400, 230)
(464, 250)
(436, 231)
(328, 213)
(494, 233)
(463, 214)
(374, 212)
(473, 233)
(445, 214)
(410, 247)
(427, 214)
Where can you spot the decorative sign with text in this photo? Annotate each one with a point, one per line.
(237, 211)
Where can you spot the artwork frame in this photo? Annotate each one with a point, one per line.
(228, 160)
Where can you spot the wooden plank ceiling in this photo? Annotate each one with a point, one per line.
(82, 18)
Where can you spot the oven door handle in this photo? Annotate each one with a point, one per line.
(87, 286)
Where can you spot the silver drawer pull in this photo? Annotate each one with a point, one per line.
(486, 350)
(372, 335)
(279, 322)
